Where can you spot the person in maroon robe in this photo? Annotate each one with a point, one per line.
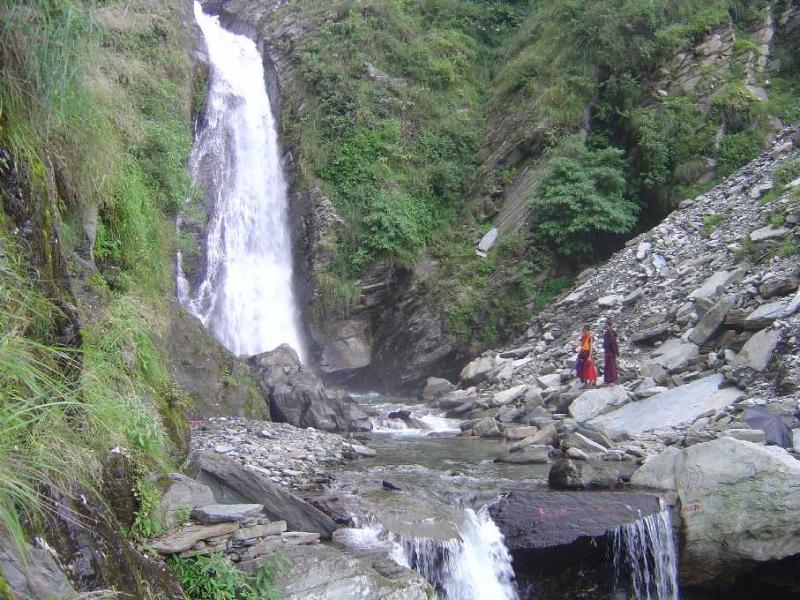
(611, 350)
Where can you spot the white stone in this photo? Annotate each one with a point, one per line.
(768, 233)
(796, 439)
(643, 250)
(758, 350)
(595, 402)
(509, 395)
(610, 301)
(764, 315)
(674, 354)
(757, 436)
(552, 380)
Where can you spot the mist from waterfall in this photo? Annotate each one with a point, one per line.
(246, 296)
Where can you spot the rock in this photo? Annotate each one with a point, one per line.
(651, 334)
(777, 286)
(756, 436)
(529, 455)
(674, 355)
(182, 493)
(392, 487)
(654, 371)
(764, 315)
(258, 531)
(595, 402)
(633, 296)
(583, 443)
(456, 398)
(552, 380)
(517, 353)
(678, 406)
(567, 474)
(793, 306)
(298, 538)
(577, 454)
(179, 541)
(520, 433)
(758, 350)
(225, 513)
(233, 482)
(33, 574)
(486, 427)
(462, 408)
(714, 286)
(546, 435)
(643, 250)
(345, 345)
(509, 395)
(477, 371)
(297, 396)
(770, 232)
(707, 327)
(357, 451)
(610, 301)
(740, 504)
(796, 439)
(224, 448)
(488, 240)
(435, 388)
(327, 572)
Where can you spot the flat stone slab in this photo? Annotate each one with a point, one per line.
(764, 315)
(595, 402)
(679, 406)
(532, 520)
(768, 233)
(225, 513)
(185, 538)
(758, 350)
(674, 354)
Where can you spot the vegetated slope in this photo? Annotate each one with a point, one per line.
(415, 127)
(94, 134)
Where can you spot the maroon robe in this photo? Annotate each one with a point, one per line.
(611, 351)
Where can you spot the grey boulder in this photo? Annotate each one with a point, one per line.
(757, 352)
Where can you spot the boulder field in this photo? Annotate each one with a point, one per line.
(707, 319)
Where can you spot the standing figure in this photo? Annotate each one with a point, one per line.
(584, 354)
(611, 350)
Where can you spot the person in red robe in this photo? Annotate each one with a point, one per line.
(611, 350)
(584, 364)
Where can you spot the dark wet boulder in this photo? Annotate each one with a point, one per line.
(567, 474)
(296, 395)
(233, 483)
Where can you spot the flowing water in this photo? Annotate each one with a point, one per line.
(645, 551)
(423, 499)
(246, 297)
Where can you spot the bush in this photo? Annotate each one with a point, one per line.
(786, 172)
(213, 576)
(736, 150)
(582, 200)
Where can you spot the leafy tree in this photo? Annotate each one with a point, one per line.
(582, 200)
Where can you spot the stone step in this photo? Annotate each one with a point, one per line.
(225, 513)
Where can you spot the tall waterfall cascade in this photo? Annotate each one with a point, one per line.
(246, 296)
(644, 554)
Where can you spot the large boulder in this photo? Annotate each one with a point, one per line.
(595, 402)
(568, 474)
(708, 325)
(435, 388)
(678, 406)
(234, 483)
(32, 573)
(740, 505)
(764, 315)
(181, 495)
(478, 370)
(297, 396)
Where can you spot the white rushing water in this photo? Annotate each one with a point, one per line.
(476, 567)
(246, 297)
(645, 551)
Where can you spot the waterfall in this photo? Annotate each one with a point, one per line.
(475, 567)
(246, 297)
(645, 550)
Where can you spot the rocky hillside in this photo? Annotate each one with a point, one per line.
(707, 309)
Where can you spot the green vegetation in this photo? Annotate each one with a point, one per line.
(710, 223)
(213, 576)
(581, 200)
(94, 113)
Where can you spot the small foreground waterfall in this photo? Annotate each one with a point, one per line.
(475, 567)
(645, 551)
(246, 296)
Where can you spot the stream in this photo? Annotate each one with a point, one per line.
(424, 499)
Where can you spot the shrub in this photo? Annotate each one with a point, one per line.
(737, 149)
(786, 172)
(213, 576)
(582, 200)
